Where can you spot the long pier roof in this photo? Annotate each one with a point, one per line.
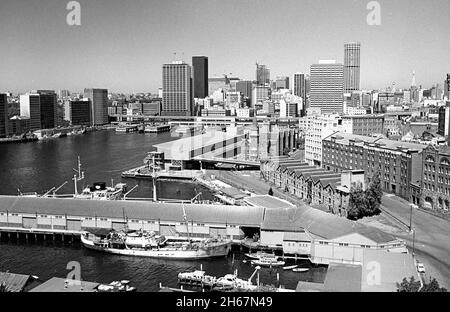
(140, 210)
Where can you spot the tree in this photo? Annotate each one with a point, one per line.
(414, 286)
(432, 286)
(356, 204)
(270, 192)
(374, 193)
(408, 286)
(365, 203)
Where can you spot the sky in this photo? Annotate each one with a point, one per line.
(121, 45)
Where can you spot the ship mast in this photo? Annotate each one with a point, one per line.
(80, 176)
(185, 220)
(155, 198)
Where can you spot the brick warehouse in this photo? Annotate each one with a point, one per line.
(436, 178)
(323, 189)
(398, 163)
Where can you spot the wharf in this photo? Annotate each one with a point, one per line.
(144, 172)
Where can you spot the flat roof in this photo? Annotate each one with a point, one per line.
(319, 223)
(57, 284)
(267, 201)
(343, 277)
(141, 210)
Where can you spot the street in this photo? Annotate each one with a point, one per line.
(432, 238)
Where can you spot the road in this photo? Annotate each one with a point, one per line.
(432, 238)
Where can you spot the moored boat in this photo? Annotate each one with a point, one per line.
(260, 254)
(300, 270)
(268, 262)
(154, 246)
(290, 267)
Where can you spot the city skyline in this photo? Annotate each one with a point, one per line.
(141, 36)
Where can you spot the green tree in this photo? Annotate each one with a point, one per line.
(374, 193)
(357, 203)
(414, 286)
(432, 286)
(270, 192)
(408, 286)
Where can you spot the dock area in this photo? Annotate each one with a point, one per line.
(145, 172)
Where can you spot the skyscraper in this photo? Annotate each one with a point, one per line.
(245, 87)
(327, 86)
(177, 89)
(30, 107)
(262, 75)
(78, 112)
(200, 68)
(352, 66)
(282, 83)
(299, 85)
(99, 105)
(3, 115)
(48, 108)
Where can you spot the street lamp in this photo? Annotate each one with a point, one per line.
(410, 217)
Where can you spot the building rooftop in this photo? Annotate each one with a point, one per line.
(319, 223)
(14, 282)
(343, 277)
(57, 284)
(142, 210)
(267, 201)
(345, 138)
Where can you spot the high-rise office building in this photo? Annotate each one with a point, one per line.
(200, 68)
(327, 87)
(282, 83)
(447, 88)
(262, 75)
(245, 87)
(78, 112)
(48, 108)
(30, 107)
(299, 85)
(3, 115)
(99, 105)
(352, 66)
(260, 94)
(177, 89)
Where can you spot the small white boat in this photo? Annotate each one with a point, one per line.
(290, 267)
(300, 270)
(259, 255)
(268, 262)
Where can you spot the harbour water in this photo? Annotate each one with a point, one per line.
(39, 166)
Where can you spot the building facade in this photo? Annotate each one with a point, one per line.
(327, 87)
(4, 127)
(352, 66)
(177, 90)
(262, 75)
(30, 107)
(99, 105)
(363, 124)
(299, 85)
(48, 108)
(200, 68)
(78, 112)
(398, 164)
(436, 178)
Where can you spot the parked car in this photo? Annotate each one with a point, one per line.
(420, 267)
